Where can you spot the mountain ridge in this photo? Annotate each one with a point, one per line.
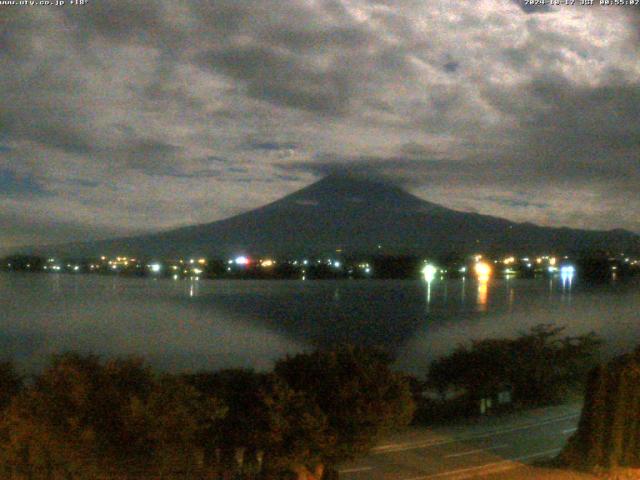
(355, 215)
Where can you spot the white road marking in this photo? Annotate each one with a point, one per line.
(490, 467)
(401, 447)
(477, 450)
(569, 430)
(355, 470)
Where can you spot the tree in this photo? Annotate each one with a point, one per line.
(268, 427)
(608, 433)
(538, 365)
(180, 423)
(357, 391)
(10, 383)
(76, 415)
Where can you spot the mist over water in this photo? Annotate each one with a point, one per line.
(187, 325)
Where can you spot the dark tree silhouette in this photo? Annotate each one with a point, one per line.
(608, 433)
(357, 391)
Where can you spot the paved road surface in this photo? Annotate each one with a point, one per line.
(468, 450)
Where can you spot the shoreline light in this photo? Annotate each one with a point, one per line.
(429, 272)
(483, 270)
(241, 260)
(568, 270)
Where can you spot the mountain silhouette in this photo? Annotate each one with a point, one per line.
(356, 216)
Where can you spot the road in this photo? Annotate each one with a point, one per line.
(469, 450)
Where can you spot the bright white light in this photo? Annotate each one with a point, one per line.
(553, 269)
(242, 260)
(463, 270)
(568, 270)
(175, 277)
(76, 268)
(337, 264)
(367, 270)
(155, 267)
(429, 272)
(197, 271)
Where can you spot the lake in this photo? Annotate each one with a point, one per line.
(186, 325)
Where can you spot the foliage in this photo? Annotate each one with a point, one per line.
(267, 423)
(357, 391)
(538, 366)
(10, 383)
(82, 416)
(608, 433)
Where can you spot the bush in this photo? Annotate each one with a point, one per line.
(357, 391)
(87, 418)
(84, 417)
(10, 383)
(538, 367)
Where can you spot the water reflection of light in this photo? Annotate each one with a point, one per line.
(428, 295)
(483, 293)
(511, 299)
(463, 290)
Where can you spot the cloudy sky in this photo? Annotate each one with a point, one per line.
(126, 116)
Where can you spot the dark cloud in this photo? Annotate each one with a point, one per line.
(15, 184)
(277, 78)
(272, 146)
(451, 67)
(515, 202)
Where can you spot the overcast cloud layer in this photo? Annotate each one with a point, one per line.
(120, 117)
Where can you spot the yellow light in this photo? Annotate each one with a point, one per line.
(267, 263)
(552, 261)
(509, 260)
(483, 270)
(202, 261)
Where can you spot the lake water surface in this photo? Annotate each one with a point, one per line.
(182, 325)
